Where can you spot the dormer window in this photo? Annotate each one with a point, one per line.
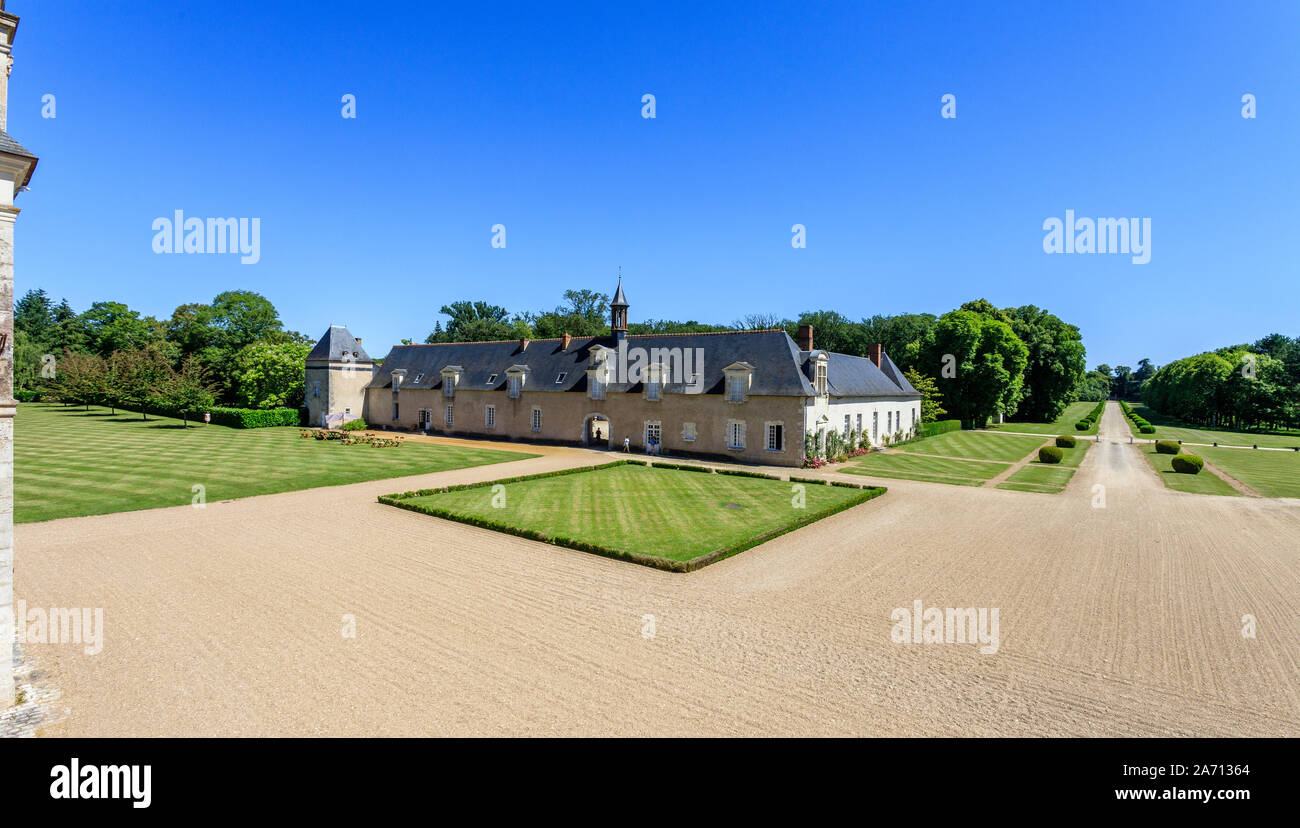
(819, 375)
(654, 382)
(516, 377)
(450, 376)
(491, 380)
(739, 376)
(399, 375)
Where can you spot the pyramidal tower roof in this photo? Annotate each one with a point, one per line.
(336, 345)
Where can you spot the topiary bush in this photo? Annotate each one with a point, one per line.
(1081, 426)
(1187, 464)
(1050, 454)
(1065, 442)
(355, 425)
(1168, 447)
(1147, 429)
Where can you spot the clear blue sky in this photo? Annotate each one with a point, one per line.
(768, 115)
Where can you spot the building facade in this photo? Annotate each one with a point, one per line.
(749, 396)
(16, 166)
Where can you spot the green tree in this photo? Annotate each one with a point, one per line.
(136, 378)
(80, 379)
(832, 331)
(931, 397)
(242, 317)
(271, 374)
(980, 365)
(473, 322)
(112, 326)
(1056, 362)
(185, 391)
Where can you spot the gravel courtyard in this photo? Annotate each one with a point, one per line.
(1115, 621)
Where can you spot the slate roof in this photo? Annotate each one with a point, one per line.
(12, 147)
(336, 342)
(780, 368)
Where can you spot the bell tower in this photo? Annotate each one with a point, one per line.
(618, 314)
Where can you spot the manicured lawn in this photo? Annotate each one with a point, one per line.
(975, 445)
(666, 515)
(1048, 478)
(68, 462)
(1064, 424)
(1271, 473)
(1170, 429)
(1207, 482)
(927, 469)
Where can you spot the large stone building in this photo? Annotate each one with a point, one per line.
(16, 166)
(744, 395)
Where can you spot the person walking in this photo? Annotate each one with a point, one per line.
(627, 445)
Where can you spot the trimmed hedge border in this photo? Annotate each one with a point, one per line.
(682, 467)
(398, 500)
(743, 473)
(938, 427)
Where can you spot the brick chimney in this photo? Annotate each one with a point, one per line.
(358, 339)
(564, 341)
(874, 353)
(523, 343)
(805, 339)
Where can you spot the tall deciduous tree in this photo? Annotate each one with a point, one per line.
(979, 364)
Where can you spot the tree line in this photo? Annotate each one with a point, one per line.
(1240, 387)
(233, 351)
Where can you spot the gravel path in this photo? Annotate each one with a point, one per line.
(1122, 620)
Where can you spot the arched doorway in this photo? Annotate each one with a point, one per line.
(597, 431)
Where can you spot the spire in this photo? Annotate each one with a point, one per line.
(618, 311)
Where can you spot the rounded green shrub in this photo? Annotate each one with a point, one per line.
(355, 425)
(1187, 464)
(1081, 425)
(1168, 447)
(1065, 442)
(1147, 429)
(1050, 454)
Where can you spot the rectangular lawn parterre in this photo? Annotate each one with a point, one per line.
(926, 469)
(668, 518)
(1048, 478)
(1206, 482)
(976, 445)
(1170, 429)
(70, 462)
(1271, 473)
(1064, 424)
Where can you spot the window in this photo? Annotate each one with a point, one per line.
(889, 422)
(735, 389)
(875, 426)
(491, 380)
(423, 417)
(736, 435)
(819, 378)
(688, 432)
(775, 437)
(537, 419)
(347, 413)
(848, 426)
(859, 429)
(561, 377)
(654, 431)
(315, 389)
(652, 388)
(394, 411)
(490, 417)
(419, 377)
(450, 418)
(913, 418)
(514, 387)
(596, 387)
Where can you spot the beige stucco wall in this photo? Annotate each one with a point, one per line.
(564, 415)
(342, 386)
